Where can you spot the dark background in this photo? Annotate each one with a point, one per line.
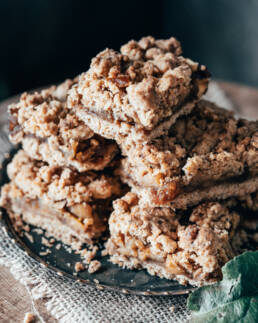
(45, 41)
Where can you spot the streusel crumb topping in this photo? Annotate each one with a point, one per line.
(144, 83)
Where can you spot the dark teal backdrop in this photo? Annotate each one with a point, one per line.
(45, 41)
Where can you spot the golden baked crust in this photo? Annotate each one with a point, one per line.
(207, 147)
(146, 82)
(49, 131)
(188, 246)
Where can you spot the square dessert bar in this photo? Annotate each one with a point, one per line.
(190, 246)
(138, 92)
(207, 154)
(49, 131)
(71, 206)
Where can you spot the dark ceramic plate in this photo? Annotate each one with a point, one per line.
(62, 261)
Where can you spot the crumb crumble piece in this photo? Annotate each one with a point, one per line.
(58, 246)
(88, 255)
(79, 267)
(45, 253)
(29, 236)
(94, 266)
(47, 242)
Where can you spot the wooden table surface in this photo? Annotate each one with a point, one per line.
(13, 306)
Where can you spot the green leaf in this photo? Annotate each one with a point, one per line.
(234, 299)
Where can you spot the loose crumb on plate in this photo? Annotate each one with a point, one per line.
(45, 253)
(58, 246)
(104, 252)
(47, 242)
(94, 266)
(26, 228)
(88, 255)
(38, 230)
(79, 267)
(29, 237)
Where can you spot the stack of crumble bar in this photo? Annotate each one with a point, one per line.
(62, 179)
(137, 116)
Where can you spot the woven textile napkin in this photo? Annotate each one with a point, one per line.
(69, 301)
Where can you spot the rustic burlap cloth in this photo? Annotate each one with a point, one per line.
(68, 301)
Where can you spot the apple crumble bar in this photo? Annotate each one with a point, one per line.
(189, 246)
(49, 131)
(192, 167)
(208, 151)
(73, 207)
(139, 91)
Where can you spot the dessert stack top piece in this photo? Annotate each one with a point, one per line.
(139, 91)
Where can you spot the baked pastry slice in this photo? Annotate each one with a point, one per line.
(207, 154)
(49, 131)
(73, 207)
(139, 92)
(189, 246)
